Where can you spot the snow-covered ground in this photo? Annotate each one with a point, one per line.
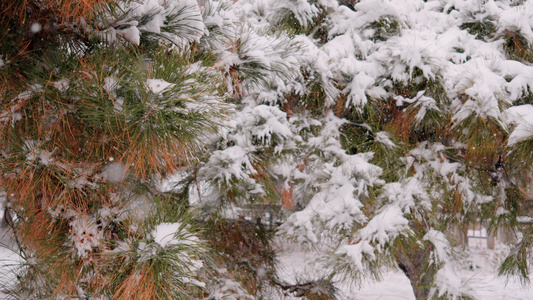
(297, 266)
(488, 286)
(9, 260)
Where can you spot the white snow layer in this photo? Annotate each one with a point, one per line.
(158, 85)
(521, 117)
(164, 234)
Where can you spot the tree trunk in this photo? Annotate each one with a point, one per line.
(416, 267)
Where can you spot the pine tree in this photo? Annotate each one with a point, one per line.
(389, 154)
(366, 132)
(99, 102)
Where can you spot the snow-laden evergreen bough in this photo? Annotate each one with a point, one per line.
(405, 122)
(97, 106)
(367, 132)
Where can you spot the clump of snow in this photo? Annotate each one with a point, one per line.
(414, 49)
(519, 18)
(383, 138)
(62, 85)
(448, 283)
(37, 155)
(314, 59)
(359, 254)
(407, 194)
(164, 234)
(155, 24)
(303, 11)
(423, 102)
(172, 182)
(158, 85)
(521, 117)
(219, 19)
(385, 226)
(266, 124)
(35, 27)
(230, 163)
(114, 172)
(484, 87)
(441, 244)
(131, 34)
(169, 235)
(202, 192)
